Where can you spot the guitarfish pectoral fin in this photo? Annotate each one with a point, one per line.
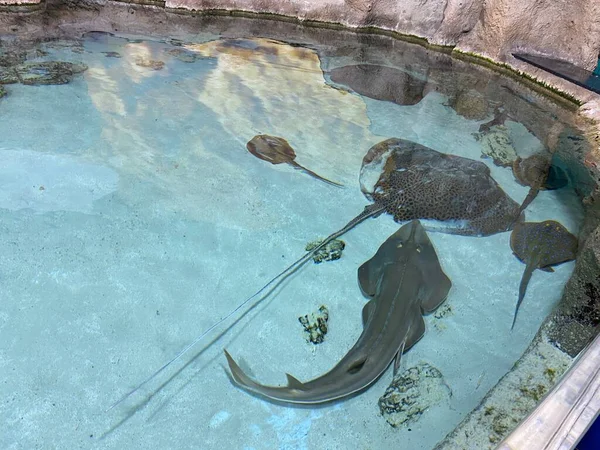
(366, 312)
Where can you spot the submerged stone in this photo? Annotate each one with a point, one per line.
(8, 75)
(112, 54)
(315, 325)
(497, 144)
(185, 55)
(2, 92)
(12, 58)
(332, 251)
(411, 393)
(76, 46)
(50, 72)
(471, 105)
(150, 63)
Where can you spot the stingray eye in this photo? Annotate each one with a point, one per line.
(418, 249)
(400, 244)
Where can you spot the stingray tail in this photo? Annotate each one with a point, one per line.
(522, 289)
(314, 175)
(531, 195)
(370, 211)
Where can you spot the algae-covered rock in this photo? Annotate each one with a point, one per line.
(50, 72)
(185, 56)
(332, 251)
(8, 75)
(497, 144)
(112, 54)
(471, 105)
(411, 393)
(315, 325)
(2, 91)
(12, 58)
(150, 63)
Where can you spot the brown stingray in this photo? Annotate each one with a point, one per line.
(500, 116)
(538, 173)
(381, 83)
(532, 172)
(540, 245)
(277, 150)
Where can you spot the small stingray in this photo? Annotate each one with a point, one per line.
(500, 116)
(540, 245)
(277, 150)
(381, 83)
(411, 182)
(538, 173)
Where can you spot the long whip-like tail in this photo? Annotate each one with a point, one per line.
(369, 211)
(523, 288)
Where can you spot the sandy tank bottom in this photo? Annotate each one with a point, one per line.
(132, 217)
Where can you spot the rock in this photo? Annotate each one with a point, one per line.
(332, 251)
(411, 393)
(2, 91)
(112, 54)
(497, 144)
(76, 46)
(575, 321)
(51, 72)
(471, 105)
(315, 325)
(492, 27)
(184, 55)
(12, 58)
(8, 75)
(150, 63)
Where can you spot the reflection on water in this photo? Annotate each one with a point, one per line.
(133, 217)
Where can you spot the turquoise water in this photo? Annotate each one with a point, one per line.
(133, 217)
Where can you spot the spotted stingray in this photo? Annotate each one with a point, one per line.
(540, 245)
(410, 181)
(277, 150)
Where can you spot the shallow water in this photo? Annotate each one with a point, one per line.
(133, 217)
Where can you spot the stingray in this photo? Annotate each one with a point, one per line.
(537, 172)
(410, 181)
(540, 245)
(381, 83)
(457, 195)
(277, 150)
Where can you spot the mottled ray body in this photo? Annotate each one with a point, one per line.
(277, 150)
(540, 245)
(457, 194)
(403, 280)
(538, 173)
